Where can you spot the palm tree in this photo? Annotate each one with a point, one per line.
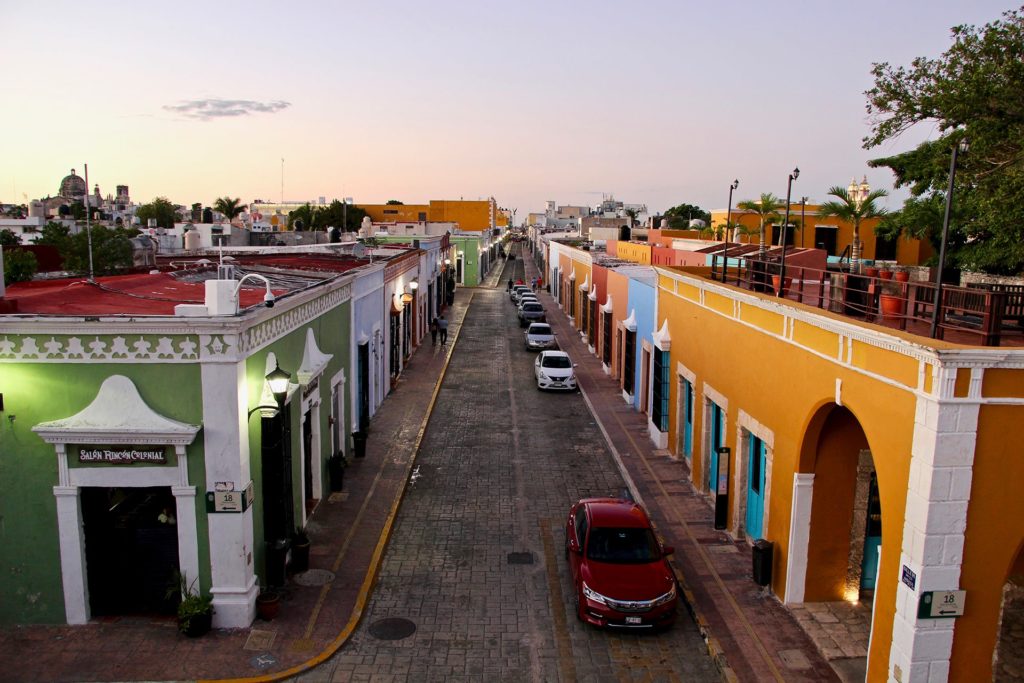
(229, 207)
(767, 210)
(853, 210)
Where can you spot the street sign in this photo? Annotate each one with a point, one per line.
(941, 604)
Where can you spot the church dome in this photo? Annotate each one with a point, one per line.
(73, 186)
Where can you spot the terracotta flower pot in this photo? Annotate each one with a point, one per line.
(785, 285)
(885, 274)
(268, 604)
(871, 272)
(901, 276)
(891, 305)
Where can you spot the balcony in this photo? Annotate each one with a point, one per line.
(986, 315)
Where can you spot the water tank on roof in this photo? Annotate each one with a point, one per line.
(192, 240)
(697, 224)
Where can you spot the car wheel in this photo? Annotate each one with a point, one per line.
(576, 605)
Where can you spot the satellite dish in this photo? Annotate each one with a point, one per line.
(359, 250)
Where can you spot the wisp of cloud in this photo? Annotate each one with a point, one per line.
(207, 110)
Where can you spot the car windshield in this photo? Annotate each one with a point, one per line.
(622, 546)
(540, 329)
(556, 362)
(532, 307)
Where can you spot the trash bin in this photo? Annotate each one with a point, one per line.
(359, 443)
(762, 562)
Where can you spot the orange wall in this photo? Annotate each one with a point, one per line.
(618, 289)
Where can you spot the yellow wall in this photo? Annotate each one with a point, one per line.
(635, 252)
(471, 215)
(789, 389)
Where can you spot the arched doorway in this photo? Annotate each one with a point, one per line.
(1008, 660)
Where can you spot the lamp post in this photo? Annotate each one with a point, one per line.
(785, 224)
(728, 225)
(937, 305)
(803, 220)
(278, 381)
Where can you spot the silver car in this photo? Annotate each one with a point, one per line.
(555, 370)
(539, 336)
(531, 313)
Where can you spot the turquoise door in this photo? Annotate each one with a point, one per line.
(717, 439)
(755, 488)
(872, 538)
(687, 419)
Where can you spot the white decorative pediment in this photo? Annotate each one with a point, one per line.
(593, 293)
(117, 415)
(313, 360)
(630, 322)
(606, 307)
(662, 339)
(572, 275)
(586, 283)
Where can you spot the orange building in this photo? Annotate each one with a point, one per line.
(470, 215)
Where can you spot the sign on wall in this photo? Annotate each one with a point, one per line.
(123, 455)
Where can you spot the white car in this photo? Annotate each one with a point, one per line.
(527, 296)
(554, 370)
(539, 336)
(516, 291)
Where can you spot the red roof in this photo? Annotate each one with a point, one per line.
(146, 294)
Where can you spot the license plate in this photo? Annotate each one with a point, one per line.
(634, 620)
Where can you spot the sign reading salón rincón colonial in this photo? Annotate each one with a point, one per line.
(122, 455)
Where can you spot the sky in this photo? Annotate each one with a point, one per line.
(654, 102)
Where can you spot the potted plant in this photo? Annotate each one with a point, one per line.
(300, 551)
(268, 603)
(195, 611)
(336, 465)
(359, 443)
(891, 301)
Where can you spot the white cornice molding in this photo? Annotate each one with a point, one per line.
(313, 360)
(118, 415)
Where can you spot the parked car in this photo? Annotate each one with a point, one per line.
(621, 577)
(516, 291)
(527, 296)
(539, 336)
(531, 313)
(555, 370)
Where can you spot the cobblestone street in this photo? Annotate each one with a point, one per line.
(474, 584)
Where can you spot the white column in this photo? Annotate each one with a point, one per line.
(941, 469)
(799, 537)
(226, 446)
(72, 552)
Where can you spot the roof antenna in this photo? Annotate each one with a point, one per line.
(88, 227)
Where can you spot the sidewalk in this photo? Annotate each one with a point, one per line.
(749, 633)
(320, 608)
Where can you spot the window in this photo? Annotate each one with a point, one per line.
(629, 545)
(628, 362)
(391, 211)
(659, 409)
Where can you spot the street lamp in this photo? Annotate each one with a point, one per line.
(803, 219)
(785, 224)
(278, 381)
(962, 146)
(728, 223)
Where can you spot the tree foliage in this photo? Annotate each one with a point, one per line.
(228, 207)
(852, 210)
(161, 209)
(767, 210)
(8, 238)
(20, 265)
(973, 92)
(679, 217)
(394, 202)
(335, 214)
(111, 248)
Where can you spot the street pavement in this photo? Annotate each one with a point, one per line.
(442, 557)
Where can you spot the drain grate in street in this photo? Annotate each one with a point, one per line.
(392, 628)
(520, 558)
(314, 577)
(794, 659)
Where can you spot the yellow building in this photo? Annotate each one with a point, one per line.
(471, 215)
(828, 233)
(880, 465)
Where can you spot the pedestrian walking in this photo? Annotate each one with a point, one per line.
(433, 332)
(442, 326)
(509, 287)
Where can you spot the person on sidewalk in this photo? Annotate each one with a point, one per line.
(509, 287)
(442, 326)
(433, 332)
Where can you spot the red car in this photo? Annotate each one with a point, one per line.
(619, 572)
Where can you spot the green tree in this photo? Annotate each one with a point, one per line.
(161, 209)
(229, 207)
(853, 210)
(679, 217)
(303, 218)
(394, 202)
(20, 265)
(767, 210)
(973, 92)
(111, 250)
(56, 235)
(8, 238)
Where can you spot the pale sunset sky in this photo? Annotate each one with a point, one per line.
(657, 102)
